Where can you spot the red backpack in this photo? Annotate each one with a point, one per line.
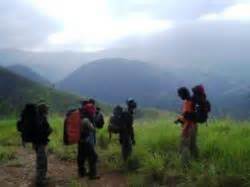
(72, 127)
(201, 104)
(72, 123)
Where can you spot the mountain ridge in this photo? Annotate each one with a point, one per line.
(28, 73)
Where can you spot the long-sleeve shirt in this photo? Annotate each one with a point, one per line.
(43, 131)
(86, 129)
(128, 129)
(187, 109)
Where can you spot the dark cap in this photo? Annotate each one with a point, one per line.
(92, 101)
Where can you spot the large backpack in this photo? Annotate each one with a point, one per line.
(99, 120)
(201, 104)
(115, 122)
(28, 123)
(72, 124)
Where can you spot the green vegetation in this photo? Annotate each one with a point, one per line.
(224, 152)
(16, 91)
(8, 140)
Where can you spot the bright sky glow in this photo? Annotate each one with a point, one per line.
(87, 23)
(238, 12)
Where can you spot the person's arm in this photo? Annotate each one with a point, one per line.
(132, 135)
(20, 122)
(47, 127)
(187, 112)
(179, 120)
(88, 125)
(131, 129)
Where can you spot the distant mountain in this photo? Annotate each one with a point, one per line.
(114, 80)
(16, 90)
(52, 65)
(201, 47)
(28, 73)
(212, 54)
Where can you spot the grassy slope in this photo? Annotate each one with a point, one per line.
(15, 91)
(224, 153)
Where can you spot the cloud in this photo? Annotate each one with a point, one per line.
(90, 25)
(198, 44)
(21, 26)
(168, 9)
(238, 12)
(101, 35)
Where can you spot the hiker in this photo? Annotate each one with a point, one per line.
(35, 129)
(126, 133)
(99, 118)
(91, 105)
(189, 127)
(86, 150)
(115, 121)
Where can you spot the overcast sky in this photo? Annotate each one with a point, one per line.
(91, 25)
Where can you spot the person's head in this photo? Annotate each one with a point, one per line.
(92, 101)
(83, 103)
(183, 93)
(98, 109)
(131, 104)
(43, 109)
(117, 110)
(88, 110)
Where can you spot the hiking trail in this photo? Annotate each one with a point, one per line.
(21, 173)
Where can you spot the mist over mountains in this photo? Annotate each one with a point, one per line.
(113, 80)
(151, 68)
(211, 47)
(153, 85)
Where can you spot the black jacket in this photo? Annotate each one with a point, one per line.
(127, 131)
(42, 131)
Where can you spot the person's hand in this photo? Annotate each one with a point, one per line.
(176, 121)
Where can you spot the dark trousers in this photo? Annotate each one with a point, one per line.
(189, 147)
(126, 150)
(86, 151)
(126, 146)
(41, 163)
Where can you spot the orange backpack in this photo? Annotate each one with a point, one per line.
(72, 127)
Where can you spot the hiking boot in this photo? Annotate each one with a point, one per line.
(94, 177)
(42, 183)
(82, 174)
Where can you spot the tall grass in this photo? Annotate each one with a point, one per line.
(224, 152)
(8, 140)
(224, 155)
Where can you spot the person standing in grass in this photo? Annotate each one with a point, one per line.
(35, 129)
(86, 146)
(189, 127)
(42, 142)
(99, 118)
(91, 105)
(126, 133)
